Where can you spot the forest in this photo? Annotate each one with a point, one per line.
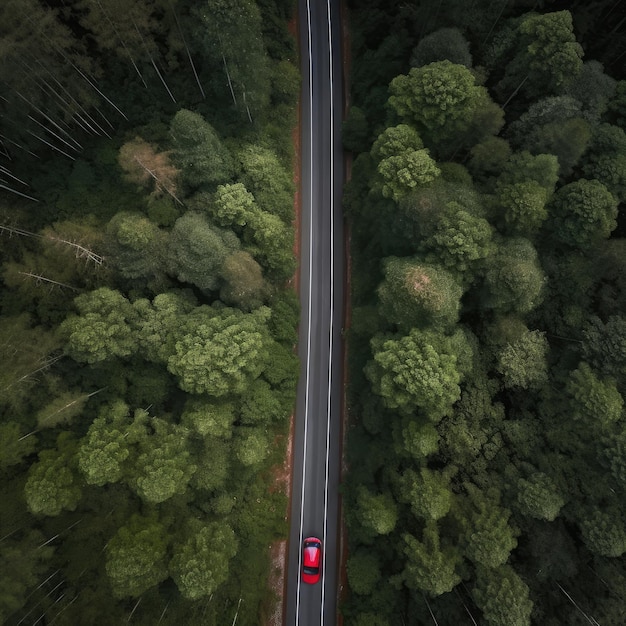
(147, 313)
(486, 445)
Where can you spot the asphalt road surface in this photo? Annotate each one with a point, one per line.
(315, 500)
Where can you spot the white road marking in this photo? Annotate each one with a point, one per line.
(332, 303)
(308, 356)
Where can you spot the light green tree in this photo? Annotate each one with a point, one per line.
(523, 363)
(244, 285)
(268, 180)
(163, 466)
(232, 205)
(102, 329)
(487, 538)
(396, 140)
(220, 355)
(157, 324)
(103, 453)
(251, 446)
(207, 416)
(428, 492)
(443, 101)
(460, 241)
(405, 172)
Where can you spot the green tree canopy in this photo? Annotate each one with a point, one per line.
(428, 492)
(135, 244)
(539, 497)
(415, 294)
(546, 54)
(402, 173)
(503, 597)
(583, 213)
(604, 532)
(396, 140)
(417, 371)
(487, 538)
(163, 466)
(514, 279)
(443, 101)
(199, 152)
(135, 556)
(593, 400)
(102, 329)
(460, 241)
(523, 363)
(232, 205)
(377, 512)
(523, 206)
(444, 44)
(363, 571)
(103, 452)
(196, 250)
(431, 564)
(201, 557)
(158, 323)
(220, 354)
(52, 485)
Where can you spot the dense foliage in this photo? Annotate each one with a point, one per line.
(147, 324)
(487, 475)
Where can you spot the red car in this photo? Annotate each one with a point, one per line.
(311, 560)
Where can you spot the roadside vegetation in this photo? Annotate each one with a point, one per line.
(487, 433)
(147, 324)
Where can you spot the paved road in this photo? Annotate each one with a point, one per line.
(317, 435)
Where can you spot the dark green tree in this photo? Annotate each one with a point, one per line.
(199, 152)
(539, 497)
(135, 245)
(201, 556)
(196, 250)
(431, 564)
(136, 556)
(53, 484)
(503, 597)
(514, 279)
(593, 400)
(583, 213)
(415, 294)
(444, 44)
